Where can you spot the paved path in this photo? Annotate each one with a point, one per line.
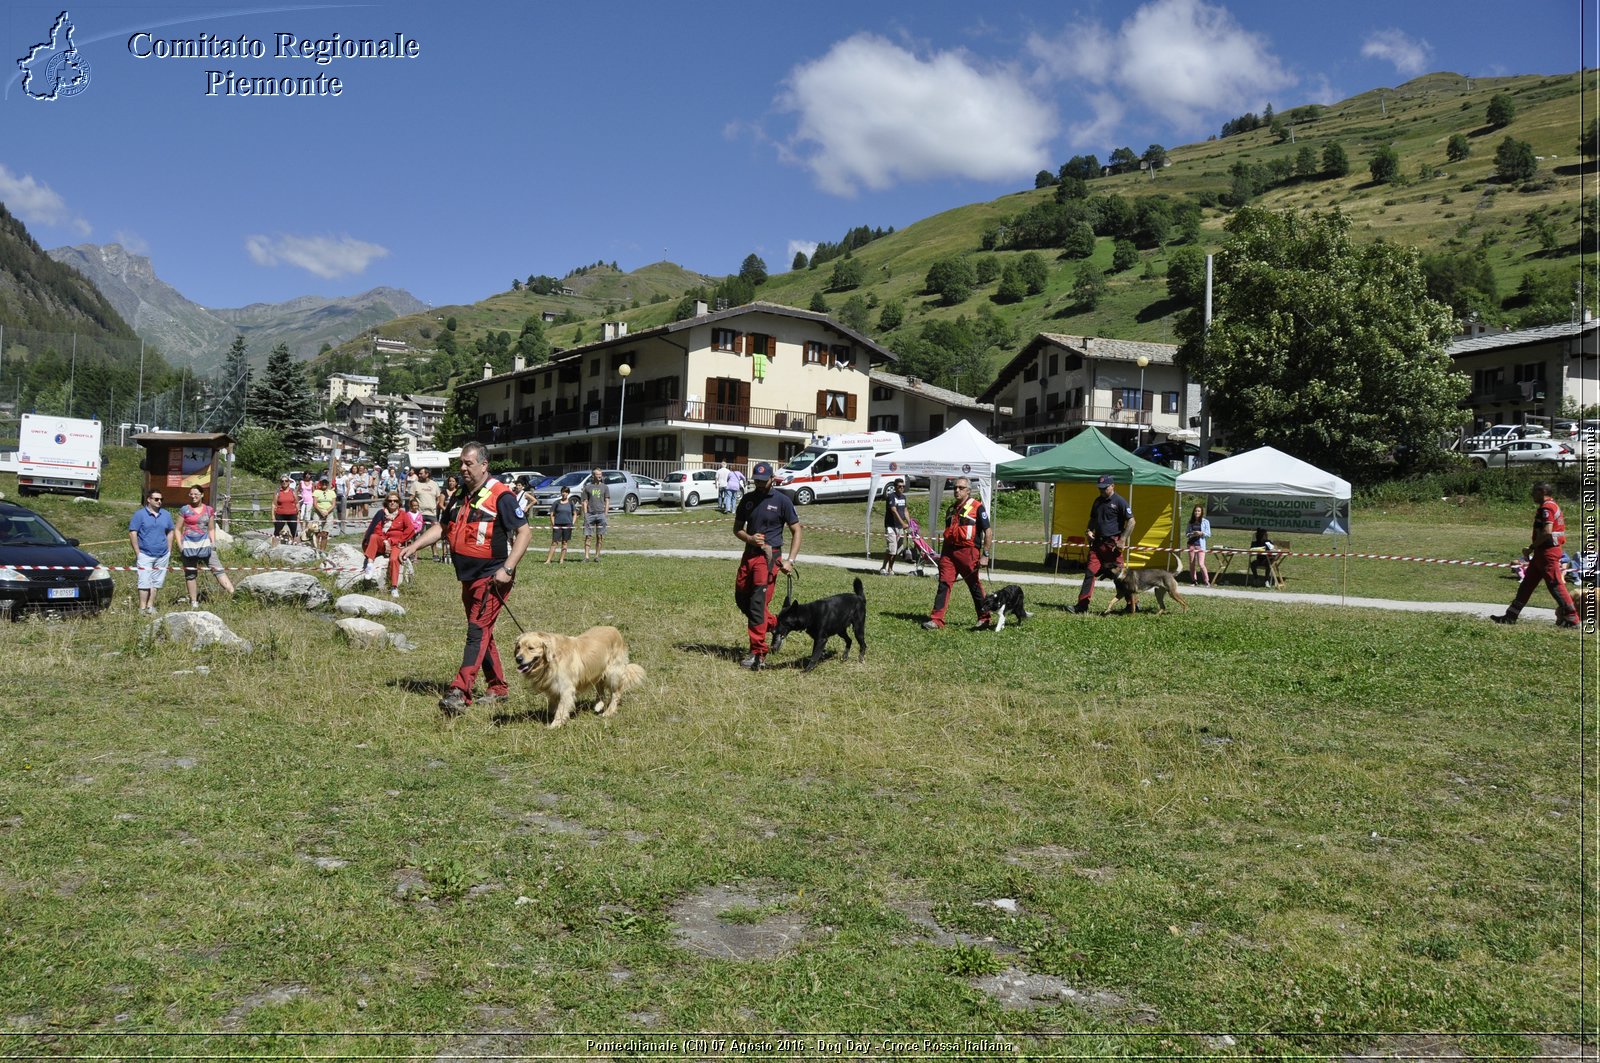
(1070, 584)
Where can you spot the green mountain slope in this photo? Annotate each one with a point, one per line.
(1437, 205)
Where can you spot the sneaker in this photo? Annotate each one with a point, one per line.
(454, 702)
(753, 663)
(1562, 621)
(194, 605)
(1081, 607)
(494, 699)
(931, 625)
(1505, 618)
(394, 592)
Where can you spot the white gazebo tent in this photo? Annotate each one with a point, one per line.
(960, 451)
(1266, 488)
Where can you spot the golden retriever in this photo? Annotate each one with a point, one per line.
(559, 666)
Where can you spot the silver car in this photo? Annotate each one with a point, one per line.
(1523, 453)
(623, 490)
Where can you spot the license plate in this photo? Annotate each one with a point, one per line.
(63, 592)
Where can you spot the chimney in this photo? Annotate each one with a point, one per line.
(519, 362)
(488, 370)
(613, 330)
(699, 308)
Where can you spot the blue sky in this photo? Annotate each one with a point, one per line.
(536, 137)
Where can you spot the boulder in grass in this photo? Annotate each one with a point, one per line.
(363, 634)
(224, 540)
(365, 605)
(399, 643)
(300, 588)
(292, 554)
(258, 547)
(347, 565)
(199, 630)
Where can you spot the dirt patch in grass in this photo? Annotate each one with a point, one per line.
(921, 913)
(1018, 990)
(731, 924)
(274, 997)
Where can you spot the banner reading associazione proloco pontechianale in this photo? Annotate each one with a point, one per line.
(1280, 513)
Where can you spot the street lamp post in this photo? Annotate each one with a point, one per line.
(624, 371)
(1141, 361)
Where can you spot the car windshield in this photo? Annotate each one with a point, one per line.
(803, 459)
(571, 479)
(28, 529)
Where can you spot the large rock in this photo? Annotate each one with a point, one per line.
(365, 605)
(224, 540)
(365, 634)
(292, 554)
(299, 587)
(199, 630)
(347, 565)
(258, 547)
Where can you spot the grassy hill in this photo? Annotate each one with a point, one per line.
(1436, 205)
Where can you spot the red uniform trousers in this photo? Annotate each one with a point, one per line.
(752, 591)
(1104, 556)
(1545, 565)
(482, 599)
(965, 561)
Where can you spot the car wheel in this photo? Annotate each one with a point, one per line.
(1479, 463)
(805, 496)
(692, 501)
(630, 503)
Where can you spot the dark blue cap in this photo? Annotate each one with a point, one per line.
(1105, 481)
(761, 470)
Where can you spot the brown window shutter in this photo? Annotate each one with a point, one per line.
(822, 404)
(744, 394)
(850, 406)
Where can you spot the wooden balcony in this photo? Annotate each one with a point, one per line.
(1063, 417)
(645, 413)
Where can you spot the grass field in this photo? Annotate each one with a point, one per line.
(1299, 827)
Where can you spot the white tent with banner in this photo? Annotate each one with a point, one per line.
(960, 451)
(1266, 488)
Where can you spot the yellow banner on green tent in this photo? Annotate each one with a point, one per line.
(1152, 523)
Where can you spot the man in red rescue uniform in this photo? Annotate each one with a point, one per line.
(968, 538)
(488, 533)
(758, 522)
(1544, 561)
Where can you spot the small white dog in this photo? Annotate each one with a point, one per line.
(559, 666)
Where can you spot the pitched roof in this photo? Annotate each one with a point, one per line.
(875, 352)
(1526, 337)
(1097, 347)
(922, 387)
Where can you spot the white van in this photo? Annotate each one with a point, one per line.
(837, 466)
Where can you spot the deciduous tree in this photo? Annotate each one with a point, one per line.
(1514, 160)
(1335, 163)
(1385, 165)
(1457, 148)
(1501, 110)
(951, 279)
(1325, 348)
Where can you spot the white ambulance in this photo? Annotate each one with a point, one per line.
(838, 466)
(58, 454)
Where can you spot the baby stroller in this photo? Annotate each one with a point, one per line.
(915, 549)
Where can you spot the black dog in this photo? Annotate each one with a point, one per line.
(825, 618)
(1005, 600)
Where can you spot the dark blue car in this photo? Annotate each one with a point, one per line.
(42, 571)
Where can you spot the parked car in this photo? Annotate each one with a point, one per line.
(1496, 434)
(511, 476)
(1524, 453)
(28, 541)
(623, 490)
(649, 488)
(688, 487)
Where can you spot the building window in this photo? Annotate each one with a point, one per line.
(1527, 371)
(761, 344)
(1169, 402)
(884, 422)
(788, 449)
(840, 354)
(836, 404)
(1128, 398)
(1485, 381)
(594, 367)
(1031, 373)
(722, 448)
(661, 448)
(1054, 360)
(816, 353)
(724, 339)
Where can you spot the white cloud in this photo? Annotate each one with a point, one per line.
(873, 114)
(807, 246)
(1186, 60)
(38, 204)
(1410, 57)
(325, 256)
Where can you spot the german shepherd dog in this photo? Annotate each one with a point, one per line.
(1005, 600)
(1131, 583)
(825, 618)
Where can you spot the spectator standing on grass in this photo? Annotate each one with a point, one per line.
(324, 501)
(285, 512)
(1198, 533)
(488, 534)
(447, 498)
(758, 523)
(197, 544)
(150, 535)
(968, 538)
(724, 496)
(360, 492)
(736, 485)
(896, 522)
(563, 512)
(1110, 518)
(307, 488)
(596, 497)
(389, 531)
(1544, 561)
(425, 493)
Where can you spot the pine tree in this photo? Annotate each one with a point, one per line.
(384, 437)
(283, 402)
(233, 388)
